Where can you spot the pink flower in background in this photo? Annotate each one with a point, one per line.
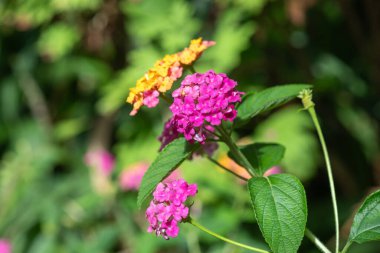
(5, 246)
(168, 208)
(131, 177)
(272, 171)
(100, 159)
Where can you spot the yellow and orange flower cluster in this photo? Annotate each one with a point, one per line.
(161, 77)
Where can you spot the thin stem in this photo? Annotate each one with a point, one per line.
(316, 241)
(212, 133)
(192, 69)
(225, 168)
(348, 244)
(236, 151)
(196, 224)
(166, 99)
(213, 140)
(313, 115)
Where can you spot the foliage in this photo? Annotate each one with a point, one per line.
(66, 67)
(280, 208)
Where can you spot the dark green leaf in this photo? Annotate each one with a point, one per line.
(279, 203)
(262, 156)
(366, 225)
(167, 160)
(267, 99)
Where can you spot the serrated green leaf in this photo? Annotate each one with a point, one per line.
(267, 99)
(262, 156)
(279, 203)
(366, 225)
(167, 160)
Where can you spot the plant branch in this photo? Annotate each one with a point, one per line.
(192, 69)
(196, 224)
(348, 244)
(236, 151)
(306, 96)
(166, 99)
(316, 241)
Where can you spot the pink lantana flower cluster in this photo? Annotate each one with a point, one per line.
(204, 101)
(168, 207)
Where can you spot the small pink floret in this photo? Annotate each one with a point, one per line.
(151, 98)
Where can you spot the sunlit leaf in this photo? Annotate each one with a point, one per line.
(268, 99)
(167, 160)
(279, 203)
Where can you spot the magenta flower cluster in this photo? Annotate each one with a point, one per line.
(168, 208)
(203, 100)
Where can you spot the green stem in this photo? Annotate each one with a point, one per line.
(196, 224)
(348, 244)
(313, 115)
(225, 168)
(192, 69)
(316, 241)
(236, 151)
(166, 99)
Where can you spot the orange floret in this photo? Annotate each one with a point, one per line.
(194, 51)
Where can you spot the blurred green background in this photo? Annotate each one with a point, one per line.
(65, 70)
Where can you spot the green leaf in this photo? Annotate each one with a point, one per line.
(262, 156)
(366, 225)
(167, 160)
(267, 99)
(279, 203)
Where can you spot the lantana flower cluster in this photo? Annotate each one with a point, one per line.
(161, 77)
(202, 102)
(168, 207)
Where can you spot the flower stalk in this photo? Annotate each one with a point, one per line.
(306, 96)
(236, 151)
(316, 241)
(196, 224)
(346, 247)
